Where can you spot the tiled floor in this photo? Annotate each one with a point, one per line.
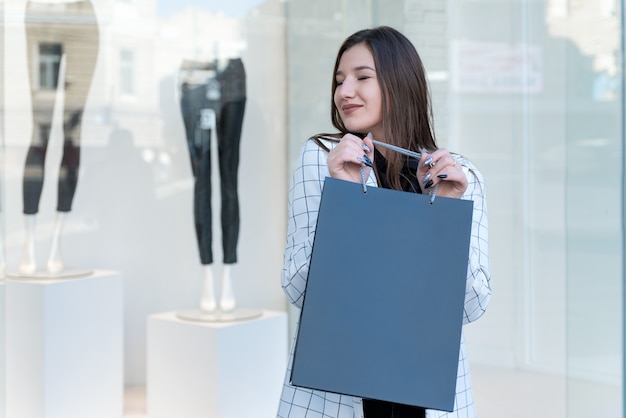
(499, 393)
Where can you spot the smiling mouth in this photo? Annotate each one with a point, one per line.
(350, 108)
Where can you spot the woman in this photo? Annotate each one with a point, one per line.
(380, 92)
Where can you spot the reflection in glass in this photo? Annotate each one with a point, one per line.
(49, 65)
(127, 71)
(63, 42)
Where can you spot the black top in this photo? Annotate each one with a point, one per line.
(408, 180)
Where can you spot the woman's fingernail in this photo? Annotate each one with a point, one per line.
(428, 160)
(370, 135)
(426, 178)
(365, 160)
(427, 185)
(365, 147)
(442, 176)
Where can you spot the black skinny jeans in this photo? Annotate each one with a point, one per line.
(229, 112)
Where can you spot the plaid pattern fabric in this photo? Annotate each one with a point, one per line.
(304, 199)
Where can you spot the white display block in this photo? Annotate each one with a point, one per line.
(2, 351)
(64, 347)
(215, 369)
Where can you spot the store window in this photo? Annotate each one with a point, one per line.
(127, 170)
(530, 90)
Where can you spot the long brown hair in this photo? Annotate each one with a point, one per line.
(406, 104)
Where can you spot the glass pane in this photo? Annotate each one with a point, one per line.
(529, 90)
(556, 255)
(508, 103)
(102, 168)
(594, 214)
(2, 214)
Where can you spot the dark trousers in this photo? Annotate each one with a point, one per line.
(79, 43)
(229, 120)
(382, 409)
(35, 166)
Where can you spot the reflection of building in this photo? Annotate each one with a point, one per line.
(600, 20)
(480, 67)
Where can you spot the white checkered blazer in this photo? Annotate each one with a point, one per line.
(304, 200)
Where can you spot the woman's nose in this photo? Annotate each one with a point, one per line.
(346, 89)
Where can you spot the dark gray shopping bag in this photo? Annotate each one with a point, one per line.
(383, 308)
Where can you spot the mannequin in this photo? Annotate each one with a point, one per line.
(212, 105)
(58, 57)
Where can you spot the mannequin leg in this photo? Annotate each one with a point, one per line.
(208, 303)
(55, 262)
(227, 297)
(27, 263)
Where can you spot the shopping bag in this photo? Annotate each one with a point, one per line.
(383, 308)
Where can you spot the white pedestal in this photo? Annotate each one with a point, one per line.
(64, 347)
(2, 351)
(215, 369)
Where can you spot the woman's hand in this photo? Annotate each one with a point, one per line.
(440, 168)
(347, 158)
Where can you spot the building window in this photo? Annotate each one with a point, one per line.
(127, 72)
(49, 65)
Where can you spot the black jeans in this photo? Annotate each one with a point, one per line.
(383, 409)
(229, 115)
(79, 44)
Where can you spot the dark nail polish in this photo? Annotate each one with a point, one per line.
(367, 161)
(442, 176)
(427, 185)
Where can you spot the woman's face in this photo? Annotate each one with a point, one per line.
(357, 95)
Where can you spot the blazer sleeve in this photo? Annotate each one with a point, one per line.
(304, 197)
(478, 284)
